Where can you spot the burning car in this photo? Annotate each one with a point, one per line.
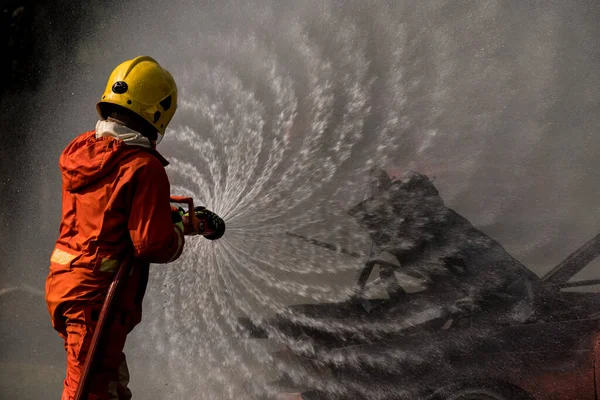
(462, 320)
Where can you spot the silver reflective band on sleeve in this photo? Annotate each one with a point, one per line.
(61, 257)
(179, 243)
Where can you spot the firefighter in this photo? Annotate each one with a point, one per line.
(115, 206)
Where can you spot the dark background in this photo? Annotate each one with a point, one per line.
(38, 41)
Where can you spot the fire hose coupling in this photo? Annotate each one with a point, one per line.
(202, 221)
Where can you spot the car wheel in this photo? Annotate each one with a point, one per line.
(477, 394)
(482, 391)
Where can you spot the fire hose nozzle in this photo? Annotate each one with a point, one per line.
(200, 220)
(209, 224)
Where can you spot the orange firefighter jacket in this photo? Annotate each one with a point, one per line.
(115, 204)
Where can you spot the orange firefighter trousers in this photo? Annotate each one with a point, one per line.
(111, 376)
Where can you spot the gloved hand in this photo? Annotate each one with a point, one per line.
(210, 225)
(177, 217)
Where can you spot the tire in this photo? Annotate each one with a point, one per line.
(482, 391)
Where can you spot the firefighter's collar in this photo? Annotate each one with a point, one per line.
(107, 128)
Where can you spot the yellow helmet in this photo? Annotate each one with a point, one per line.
(144, 87)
